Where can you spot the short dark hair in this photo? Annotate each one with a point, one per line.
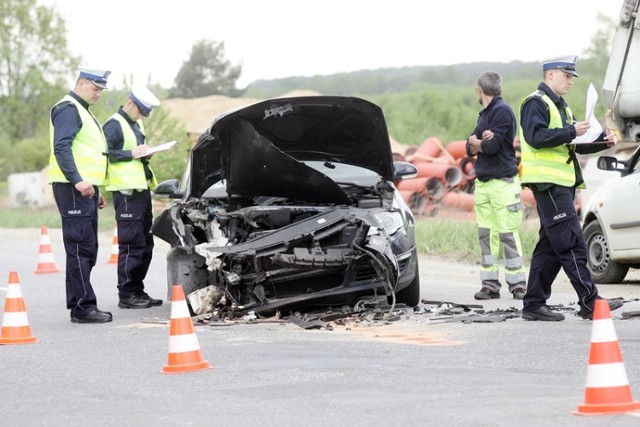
(491, 83)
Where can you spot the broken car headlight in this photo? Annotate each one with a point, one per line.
(390, 221)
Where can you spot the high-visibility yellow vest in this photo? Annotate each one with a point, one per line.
(89, 149)
(547, 165)
(128, 175)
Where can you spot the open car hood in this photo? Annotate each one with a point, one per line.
(260, 149)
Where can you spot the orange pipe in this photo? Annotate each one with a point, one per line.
(415, 185)
(457, 149)
(451, 175)
(468, 166)
(430, 147)
(458, 200)
(467, 185)
(447, 160)
(435, 188)
(432, 187)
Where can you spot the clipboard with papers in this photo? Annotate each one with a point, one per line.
(158, 148)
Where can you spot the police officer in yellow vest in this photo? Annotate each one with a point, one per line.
(549, 167)
(77, 167)
(131, 180)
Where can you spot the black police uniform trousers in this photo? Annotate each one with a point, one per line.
(134, 217)
(80, 236)
(561, 245)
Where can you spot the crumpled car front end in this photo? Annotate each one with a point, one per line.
(269, 224)
(287, 257)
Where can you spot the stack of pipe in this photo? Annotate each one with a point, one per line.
(446, 180)
(444, 183)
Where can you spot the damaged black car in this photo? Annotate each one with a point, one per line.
(290, 204)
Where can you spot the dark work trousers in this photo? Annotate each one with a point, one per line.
(80, 236)
(561, 244)
(134, 217)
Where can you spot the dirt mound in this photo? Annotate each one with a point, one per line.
(198, 113)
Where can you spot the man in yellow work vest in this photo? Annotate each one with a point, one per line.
(77, 166)
(131, 180)
(552, 171)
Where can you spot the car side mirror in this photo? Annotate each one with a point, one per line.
(169, 188)
(404, 170)
(609, 163)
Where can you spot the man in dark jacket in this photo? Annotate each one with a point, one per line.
(497, 191)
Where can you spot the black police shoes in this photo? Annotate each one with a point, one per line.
(96, 316)
(543, 313)
(133, 301)
(152, 301)
(614, 304)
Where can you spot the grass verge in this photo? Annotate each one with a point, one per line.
(458, 239)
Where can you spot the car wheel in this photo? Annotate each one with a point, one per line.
(411, 294)
(603, 269)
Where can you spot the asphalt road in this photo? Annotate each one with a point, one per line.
(414, 371)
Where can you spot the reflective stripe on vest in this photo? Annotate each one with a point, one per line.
(128, 175)
(547, 164)
(88, 148)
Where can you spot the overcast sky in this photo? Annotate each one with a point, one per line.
(271, 39)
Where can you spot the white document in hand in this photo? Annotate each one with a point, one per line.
(161, 147)
(596, 128)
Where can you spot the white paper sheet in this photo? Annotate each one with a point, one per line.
(161, 147)
(596, 128)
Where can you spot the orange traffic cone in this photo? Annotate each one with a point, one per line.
(46, 263)
(608, 390)
(15, 324)
(115, 248)
(184, 350)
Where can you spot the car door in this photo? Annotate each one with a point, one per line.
(620, 212)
